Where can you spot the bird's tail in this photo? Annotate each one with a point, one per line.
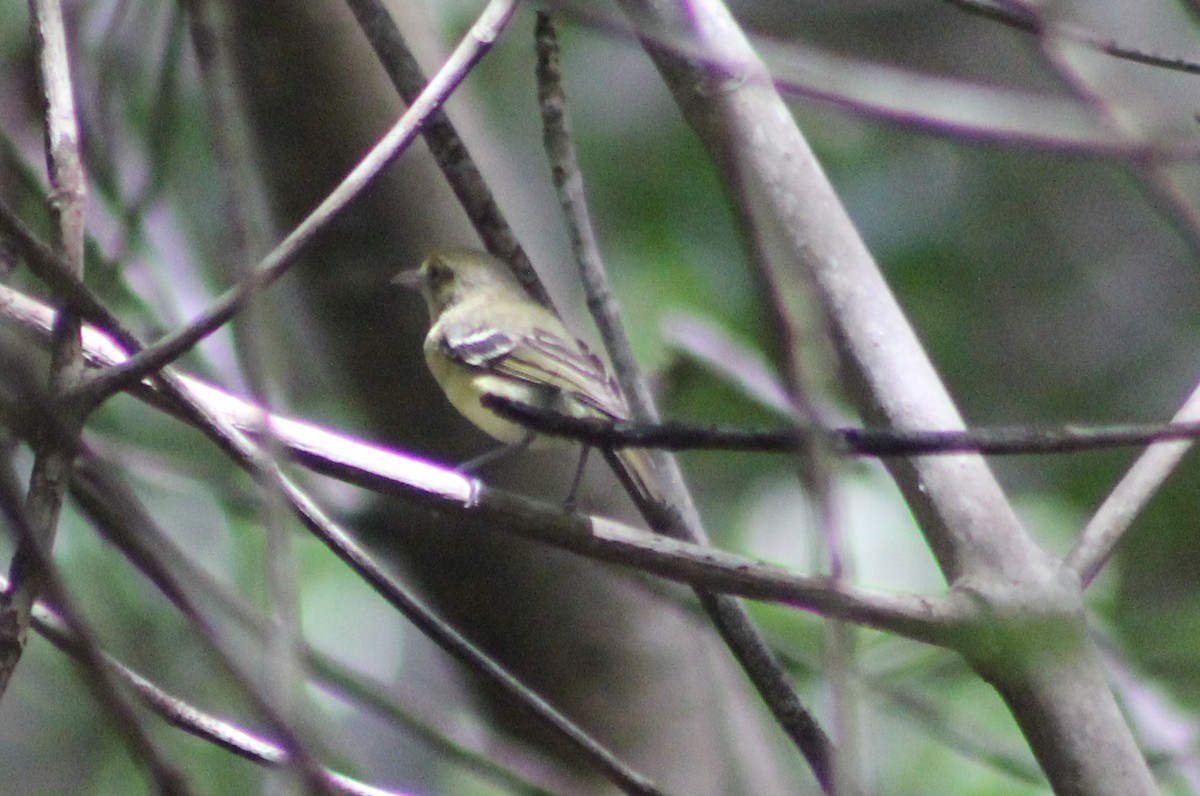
(636, 470)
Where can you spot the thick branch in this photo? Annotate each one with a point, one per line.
(393, 472)
(1066, 711)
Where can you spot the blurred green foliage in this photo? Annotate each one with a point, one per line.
(1047, 289)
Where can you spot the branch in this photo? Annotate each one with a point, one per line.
(473, 47)
(68, 203)
(391, 472)
(1027, 22)
(56, 436)
(859, 442)
(187, 717)
(448, 150)
(671, 509)
(186, 401)
(1116, 514)
(723, 90)
(944, 106)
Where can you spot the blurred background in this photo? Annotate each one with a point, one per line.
(1050, 287)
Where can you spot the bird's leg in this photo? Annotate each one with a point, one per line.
(479, 462)
(569, 501)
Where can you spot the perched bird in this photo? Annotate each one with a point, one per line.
(488, 336)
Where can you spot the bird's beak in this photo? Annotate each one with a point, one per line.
(410, 279)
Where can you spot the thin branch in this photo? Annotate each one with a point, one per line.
(96, 672)
(473, 47)
(56, 273)
(944, 106)
(568, 183)
(245, 454)
(124, 521)
(392, 472)
(1026, 22)
(187, 717)
(859, 442)
(671, 509)
(447, 148)
(54, 444)
(1108, 526)
(928, 620)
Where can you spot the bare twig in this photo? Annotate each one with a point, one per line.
(54, 444)
(392, 472)
(447, 148)
(1023, 20)
(187, 717)
(568, 182)
(1108, 526)
(474, 46)
(248, 456)
(676, 514)
(861, 442)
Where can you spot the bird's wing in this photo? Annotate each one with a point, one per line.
(542, 358)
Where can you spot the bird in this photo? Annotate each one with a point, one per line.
(489, 336)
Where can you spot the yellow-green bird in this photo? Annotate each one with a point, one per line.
(488, 336)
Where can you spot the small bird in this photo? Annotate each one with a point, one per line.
(487, 335)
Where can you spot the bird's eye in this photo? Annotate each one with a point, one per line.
(439, 273)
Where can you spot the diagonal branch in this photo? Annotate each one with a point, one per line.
(962, 110)
(448, 149)
(474, 46)
(968, 522)
(187, 717)
(123, 520)
(677, 516)
(392, 472)
(235, 444)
